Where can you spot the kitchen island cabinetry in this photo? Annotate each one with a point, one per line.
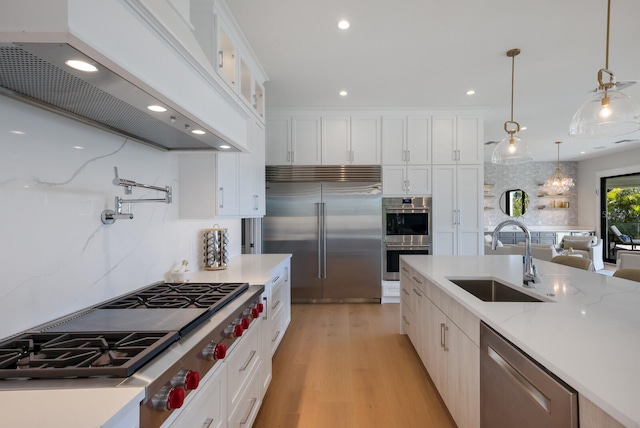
(446, 337)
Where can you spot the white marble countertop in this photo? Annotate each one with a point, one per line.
(69, 408)
(589, 336)
(251, 268)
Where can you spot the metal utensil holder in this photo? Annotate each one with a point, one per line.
(215, 242)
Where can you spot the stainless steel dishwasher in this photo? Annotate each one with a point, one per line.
(516, 391)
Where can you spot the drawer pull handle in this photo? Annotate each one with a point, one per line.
(276, 336)
(417, 292)
(405, 291)
(276, 279)
(243, 368)
(207, 423)
(404, 269)
(275, 306)
(246, 418)
(417, 280)
(405, 320)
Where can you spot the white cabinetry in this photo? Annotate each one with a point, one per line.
(446, 337)
(350, 140)
(457, 139)
(457, 209)
(208, 405)
(406, 147)
(251, 193)
(243, 382)
(208, 185)
(293, 140)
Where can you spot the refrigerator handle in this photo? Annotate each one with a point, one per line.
(319, 228)
(324, 244)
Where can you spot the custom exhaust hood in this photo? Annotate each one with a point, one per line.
(37, 73)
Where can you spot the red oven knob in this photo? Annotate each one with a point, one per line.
(260, 307)
(192, 381)
(246, 322)
(237, 330)
(255, 313)
(175, 398)
(186, 379)
(168, 398)
(215, 351)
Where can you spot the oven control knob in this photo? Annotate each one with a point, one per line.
(215, 351)
(237, 330)
(255, 313)
(186, 379)
(260, 307)
(246, 322)
(168, 398)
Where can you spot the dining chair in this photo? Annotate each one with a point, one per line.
(632, 274)
(573, 261)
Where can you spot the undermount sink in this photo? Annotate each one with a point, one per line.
(490, 290)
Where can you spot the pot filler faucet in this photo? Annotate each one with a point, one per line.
(529, 274)
(110, 216)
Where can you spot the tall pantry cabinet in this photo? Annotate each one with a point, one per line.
(457, 214)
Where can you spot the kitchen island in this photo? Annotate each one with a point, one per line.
(588, 334)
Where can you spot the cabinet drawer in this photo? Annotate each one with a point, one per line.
(209, 404)
(277, 298)
(241, 362)
(246, 408)
(276, 330)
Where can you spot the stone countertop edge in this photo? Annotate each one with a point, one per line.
(589, 336)
(251, 268)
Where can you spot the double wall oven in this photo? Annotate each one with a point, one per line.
(406, 229)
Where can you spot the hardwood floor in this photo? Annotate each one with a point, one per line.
(346, 366)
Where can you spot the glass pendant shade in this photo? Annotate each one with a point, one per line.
(607, 113)
(510, 151)
(559, 182)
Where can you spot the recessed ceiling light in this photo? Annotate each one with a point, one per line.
(17, 132)
(523, 128)
(224, 146)
(471, 92)
(344, 24)
(157, 108)
(343, 93)
(582, 153)
(198, 131)
(78, 147)
(81, 65)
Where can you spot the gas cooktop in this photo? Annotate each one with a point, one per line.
(118, 337)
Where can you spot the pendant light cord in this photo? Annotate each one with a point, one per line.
(606, 63)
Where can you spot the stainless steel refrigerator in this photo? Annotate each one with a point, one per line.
(330, 219)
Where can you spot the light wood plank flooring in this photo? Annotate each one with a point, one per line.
(346, 366)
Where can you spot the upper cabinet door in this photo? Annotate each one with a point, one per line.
(469, 133)
(278, 141)
(227, 58)
(305, 137)
(365, 140)
(418, 140)
(336, 140)
(394, 137)
(444, 139)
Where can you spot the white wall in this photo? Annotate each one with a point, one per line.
(57, 256)
(589, 173)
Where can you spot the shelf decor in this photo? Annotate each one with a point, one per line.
(559, 182)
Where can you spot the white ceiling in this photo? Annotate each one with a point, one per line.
(427, 54)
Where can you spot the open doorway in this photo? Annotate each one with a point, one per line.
(620, 202)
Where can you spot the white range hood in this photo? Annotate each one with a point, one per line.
(139, 64)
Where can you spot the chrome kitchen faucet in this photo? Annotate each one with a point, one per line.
(530, 275)
(110, 216)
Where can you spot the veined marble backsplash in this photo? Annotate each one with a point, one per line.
(528, 177)
(55, 180)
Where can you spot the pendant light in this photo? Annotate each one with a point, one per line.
(559, 182)
(608, 112)
(511, 150)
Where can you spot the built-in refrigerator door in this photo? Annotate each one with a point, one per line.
(291, 226)
(353, 235)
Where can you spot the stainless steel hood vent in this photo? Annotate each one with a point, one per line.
(36, 73)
